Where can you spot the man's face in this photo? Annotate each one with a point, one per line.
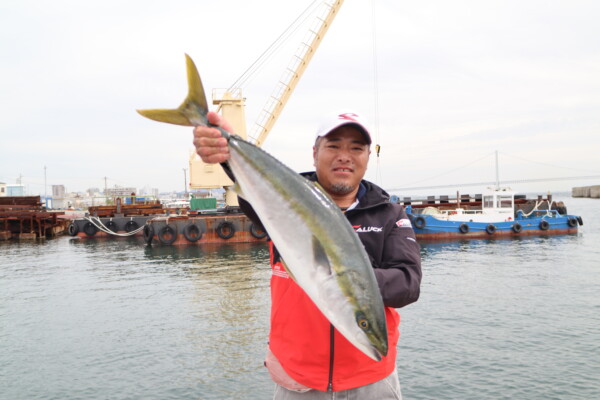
(341, 159)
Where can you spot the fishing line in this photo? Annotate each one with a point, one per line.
(451, 170)
(548, 165)
(378, 175)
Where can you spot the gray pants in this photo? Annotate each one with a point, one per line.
(385, 389)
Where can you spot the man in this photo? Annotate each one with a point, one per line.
(307, 358)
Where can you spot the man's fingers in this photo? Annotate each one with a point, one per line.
(216, 119)
(209, 143)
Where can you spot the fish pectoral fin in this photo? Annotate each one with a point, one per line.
(173, 116)
(320, 256)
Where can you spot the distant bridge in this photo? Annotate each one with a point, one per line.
(488, 183)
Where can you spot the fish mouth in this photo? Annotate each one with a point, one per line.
(375, 351)
(379, 349)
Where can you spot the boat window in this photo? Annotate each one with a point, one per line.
(488, 201)
(505, 201)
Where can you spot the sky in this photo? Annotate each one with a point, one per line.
(445, 85)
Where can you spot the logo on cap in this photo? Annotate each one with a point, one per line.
(348, 116)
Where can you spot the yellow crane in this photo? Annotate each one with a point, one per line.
(231, 103)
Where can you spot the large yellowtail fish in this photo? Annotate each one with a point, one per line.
(321, 251)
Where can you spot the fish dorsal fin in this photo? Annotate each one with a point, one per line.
(320, 256)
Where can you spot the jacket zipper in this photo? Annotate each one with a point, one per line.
(331, 354)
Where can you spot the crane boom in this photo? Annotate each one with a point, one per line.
(292, 74)
(231, 103)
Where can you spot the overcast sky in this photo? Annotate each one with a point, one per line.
(457, 81)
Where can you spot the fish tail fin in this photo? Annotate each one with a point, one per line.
(196, 95)
(173, 116)
(192, 111)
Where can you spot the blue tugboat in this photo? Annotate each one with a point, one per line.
(499, 213)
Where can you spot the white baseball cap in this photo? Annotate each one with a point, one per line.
(335, 120)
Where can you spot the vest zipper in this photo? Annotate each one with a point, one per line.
(331, 346)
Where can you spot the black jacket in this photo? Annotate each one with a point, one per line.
(388, 237)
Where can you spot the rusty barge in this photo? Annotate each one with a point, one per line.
(25, 218)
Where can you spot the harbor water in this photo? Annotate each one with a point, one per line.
(115, 319)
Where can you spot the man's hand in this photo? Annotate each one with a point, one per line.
(209, 143)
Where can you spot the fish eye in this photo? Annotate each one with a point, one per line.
(364, 324)
(362, 321)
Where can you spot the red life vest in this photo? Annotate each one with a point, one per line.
(310, 350)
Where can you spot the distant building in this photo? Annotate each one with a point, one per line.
(2, 189)
(15, 190)
(58, 191)
(119, 191)
(148, 191)
(93, 192)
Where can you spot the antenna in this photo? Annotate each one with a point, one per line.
(497, 173)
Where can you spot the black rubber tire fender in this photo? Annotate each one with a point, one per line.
(73, 229)
(225, 230)
(544, 225)
(463, 228)
(257, 231)
(420, 222)
(90, 229)
(517, 228)
(131, 226)
(167, 234)
(192, 232)
(572, 222)
(490, 229)
(111, 226)
(148, 233)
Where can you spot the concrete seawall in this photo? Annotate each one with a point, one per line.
(586, 191)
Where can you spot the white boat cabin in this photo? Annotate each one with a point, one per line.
(498, 205)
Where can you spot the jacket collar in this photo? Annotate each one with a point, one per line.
(369, 194)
